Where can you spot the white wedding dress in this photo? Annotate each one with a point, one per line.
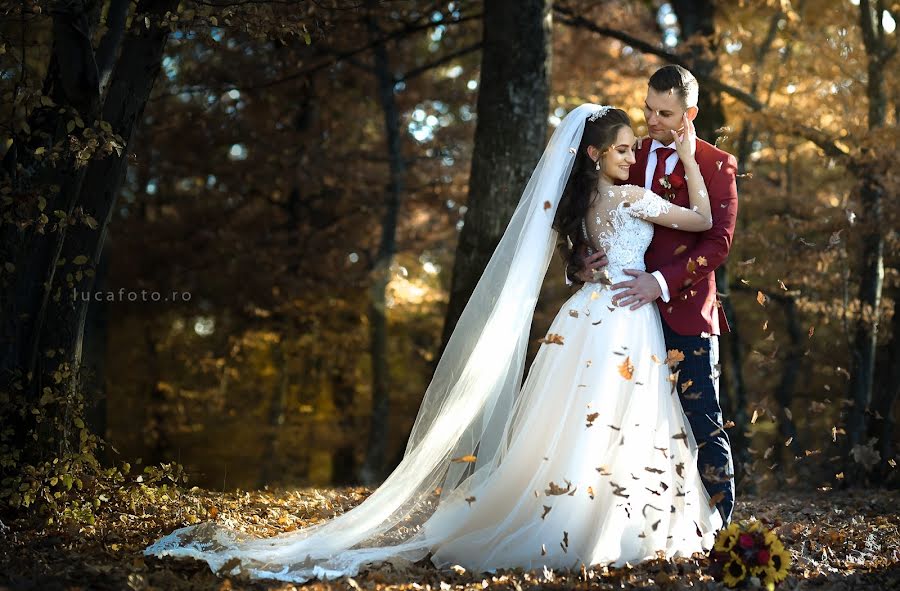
(591, 461)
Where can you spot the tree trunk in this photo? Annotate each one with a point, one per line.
(371, 471)
(698, 18)
(509, 138)
(95, 336)
(270, 463)
(872, 264)
(343, 458)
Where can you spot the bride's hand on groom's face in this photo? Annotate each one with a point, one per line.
(643, 289)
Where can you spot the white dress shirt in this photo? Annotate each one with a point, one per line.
(671, 161)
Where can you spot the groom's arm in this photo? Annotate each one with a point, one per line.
(714, 244)
(564, 248)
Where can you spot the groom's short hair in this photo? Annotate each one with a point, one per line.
(678, 80)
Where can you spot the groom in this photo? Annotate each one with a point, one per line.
(682, 281)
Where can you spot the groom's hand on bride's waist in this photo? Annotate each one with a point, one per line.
(590, 264)
(643, 289)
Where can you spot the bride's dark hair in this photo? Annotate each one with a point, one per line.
(573, 205)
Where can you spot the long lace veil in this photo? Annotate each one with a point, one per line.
(464, 411)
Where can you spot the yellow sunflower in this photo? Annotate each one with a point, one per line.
(779, 562)
(734, 571)
(727, 538)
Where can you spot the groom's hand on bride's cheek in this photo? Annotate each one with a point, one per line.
(643, 289)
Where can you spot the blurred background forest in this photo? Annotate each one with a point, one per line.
(299, 175)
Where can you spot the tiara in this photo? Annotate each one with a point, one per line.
(603, 110)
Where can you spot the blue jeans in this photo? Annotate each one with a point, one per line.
(701, 406)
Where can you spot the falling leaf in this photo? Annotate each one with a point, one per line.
(892, 463)
(596, 323)
(674, 357)
(552, 339)
(839, 475)
(788, 442)
(716, 499)
(653, 470)
(681, 248)
(761, 298)
(686, 385)
(765, 325)
(782, 285)
(789, 414)
(682, 436)
(470, 500)
(469, 458)
(691, 266)
(679, 469)
(543, 550)
(546, 510)
(590, 492)
(573, 313)
(619, 491)
(728, 424)
(547, 205)
(626, 369)
(812, 331)
(754, 417)
(556, 489)
(594, 295)
(702, 261)
(700, 351)
(591, 418)
(835, 238)
(604, 471)
(747, 262)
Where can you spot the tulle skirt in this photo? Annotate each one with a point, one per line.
(597, 466)
(600, 464)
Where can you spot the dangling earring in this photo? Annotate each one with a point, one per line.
(598, 164)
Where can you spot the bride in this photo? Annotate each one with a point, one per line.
(590, 461)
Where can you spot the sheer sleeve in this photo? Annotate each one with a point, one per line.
(647, 205)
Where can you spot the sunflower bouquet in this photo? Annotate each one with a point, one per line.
(746, 550)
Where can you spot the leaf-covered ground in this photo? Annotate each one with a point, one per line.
(838, 540)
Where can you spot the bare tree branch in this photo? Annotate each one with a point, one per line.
(438, 62)
(567, 17)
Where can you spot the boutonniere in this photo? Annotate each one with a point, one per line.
(671, 183)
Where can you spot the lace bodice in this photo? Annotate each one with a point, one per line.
(619, 226)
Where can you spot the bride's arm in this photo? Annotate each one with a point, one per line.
(651, 207)
(654, 208)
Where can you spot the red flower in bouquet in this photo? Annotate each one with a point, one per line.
(747, 550)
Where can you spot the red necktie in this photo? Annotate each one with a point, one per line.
(661, 155)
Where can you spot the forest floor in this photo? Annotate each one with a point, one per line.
(838, 540)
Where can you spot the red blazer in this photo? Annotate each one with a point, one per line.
(688, 260)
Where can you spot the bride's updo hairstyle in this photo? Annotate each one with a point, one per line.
(573, 205)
